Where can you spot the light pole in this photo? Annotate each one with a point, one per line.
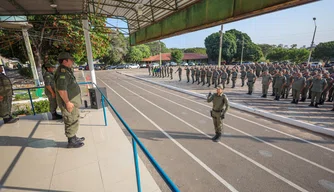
(220, 46)
(315, 30)
(160, 53)
(242, 49)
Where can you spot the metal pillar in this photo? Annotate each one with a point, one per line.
(220, 46)
(30, 55)
(160, 52)
(242, 50)
(312, 43)
(89, 50)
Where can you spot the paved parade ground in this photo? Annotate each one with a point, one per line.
(255, 153)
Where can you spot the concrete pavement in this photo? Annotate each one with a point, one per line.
(256, 154)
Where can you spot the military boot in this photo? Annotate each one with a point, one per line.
(303, 99)
(56, 116)
(10, 120)
(317, 105)
(293, 101)
(278, 97)
(273, 94)
(265, 95)
(296, 101)
(332, 109)
(79, 138)
(311, 105)
(214, 137)
(73, 142)
(286, 96)
(217, 139)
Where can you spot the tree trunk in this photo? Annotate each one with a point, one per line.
(39, 63)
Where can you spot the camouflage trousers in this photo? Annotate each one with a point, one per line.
(6, 107)
(315, 96)
(265, 89)
(223, 82)
(250, 86)
(71, 121)
(52, 103)
(217, 122)
(295, 94)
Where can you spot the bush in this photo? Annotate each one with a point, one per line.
(26, 72)
(25, 96)
(25, 109)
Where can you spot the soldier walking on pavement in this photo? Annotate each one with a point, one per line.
(188, 74)
(318, 86)
(6, 94)
(251, 80)
(298, 84)
(192, 74)
(49, 90)
(180, 72)
(165, 70)
(228, 71)
(307, 87)
(234, 77)
(219, 109)
(266, 80)
(68, 96)
(279, 84)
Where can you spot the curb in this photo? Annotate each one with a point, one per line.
(287, 120)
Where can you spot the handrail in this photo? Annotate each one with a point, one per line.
(135, 139)
(30, 97)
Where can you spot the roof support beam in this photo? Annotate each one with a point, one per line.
(14, 3)
(152, 10)
(55, 8)
(133, 3)
(176, 5)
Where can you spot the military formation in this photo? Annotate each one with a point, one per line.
(284, 80)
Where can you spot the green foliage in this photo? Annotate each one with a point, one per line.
(25, 96)
(252, 52)
(117, 50)
(145, 50)
(266, 49)
(177, 56)
(298, 55)
(324, 51)
(278, 54)
(25, 109)
(198, 50)
(155, 47)
(26, 72)
(134, 55)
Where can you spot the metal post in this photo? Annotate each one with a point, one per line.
(135, 155)
(242, 50)
(31, 103)
(104, 112)
(160, 52)
(311, 49)
(30, 55)
(89, 50)
(220, 46)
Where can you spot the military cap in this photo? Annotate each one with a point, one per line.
(47, 65)
(220, 86)
(65, 55)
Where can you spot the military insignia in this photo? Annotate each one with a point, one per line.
(62, 70)
(62, 77)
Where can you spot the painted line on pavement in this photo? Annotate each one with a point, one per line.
(226, 146)
(240, 131)
(214, 174)
(275, 130)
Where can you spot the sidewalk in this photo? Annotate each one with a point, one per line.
(299, 115)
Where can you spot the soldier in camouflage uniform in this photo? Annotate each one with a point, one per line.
(68, 96)
(208, 76)
(223, 78)
(219, 109)
(274, 75)
(203, 73)
(6, 94)
(298, 84)
(198, 74)
(49, 90)
(228, 71)
(234, 75)
(192, 70)
(325, 92)
(318, 86)
(258, 69)
(215, 77)
(188, 74)
(243, 76)
(251, 81)
(279, 84)
(171, 72)
(266, 80)
(287, 86)
(307, 87)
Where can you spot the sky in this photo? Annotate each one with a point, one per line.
(287, 27)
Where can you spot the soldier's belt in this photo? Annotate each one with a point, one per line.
(217, 111)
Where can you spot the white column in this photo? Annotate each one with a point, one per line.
(220, 46)
(89, 50)
(30, 55)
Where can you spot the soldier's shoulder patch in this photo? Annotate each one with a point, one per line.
(62, 77)
(63, 70)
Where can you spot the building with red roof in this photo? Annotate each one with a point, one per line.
(187, 57)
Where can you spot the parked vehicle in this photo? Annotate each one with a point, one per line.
(184, 64)
(192, 64)
(329, 64)
(97, 67)
(316, 64)
(121, 66)
(111, 67)
(143, 65)
(134, 66)
(81, 67)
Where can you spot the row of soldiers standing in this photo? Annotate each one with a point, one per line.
(306, 82)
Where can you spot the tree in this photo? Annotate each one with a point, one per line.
(252, 52)
(134, 55)
(177, 56)
(298, 55)
(278, 54)
(145, 50)
(198, 50)
(117, 50)
(229, 47)
(266, 49)
(294, 46)
(324, 51)
(155, 47)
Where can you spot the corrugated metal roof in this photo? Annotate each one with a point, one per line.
(138, 13)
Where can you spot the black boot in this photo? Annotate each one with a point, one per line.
(332, 109)
(286, 96)
(79, 138)
(56, 116)
(293, 101)
(303, 99)
(217, 139)
(10, 120)
(317, 105)
(278, 98)
(74, 142)
(296, 101)
(311, 105)
(273, 94)
(251, 93)
(265, 95)
(214, 137)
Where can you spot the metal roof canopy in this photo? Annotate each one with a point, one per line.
(150, 20)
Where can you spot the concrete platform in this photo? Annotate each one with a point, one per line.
(34, 157)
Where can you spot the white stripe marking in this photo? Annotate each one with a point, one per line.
(287, 134)
(254, 137)
(214, 174)
(231, 149)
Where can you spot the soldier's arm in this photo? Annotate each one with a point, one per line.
(61, 85)
(227, 105)
(47, 82)
(210, 98)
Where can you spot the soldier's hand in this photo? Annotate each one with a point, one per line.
(210, 94)
(69, 107)
(222, 116)
(1, 98)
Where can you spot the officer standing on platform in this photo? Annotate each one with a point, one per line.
(6, 98)
(49, 90)
(219, 109)
(68, 96)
